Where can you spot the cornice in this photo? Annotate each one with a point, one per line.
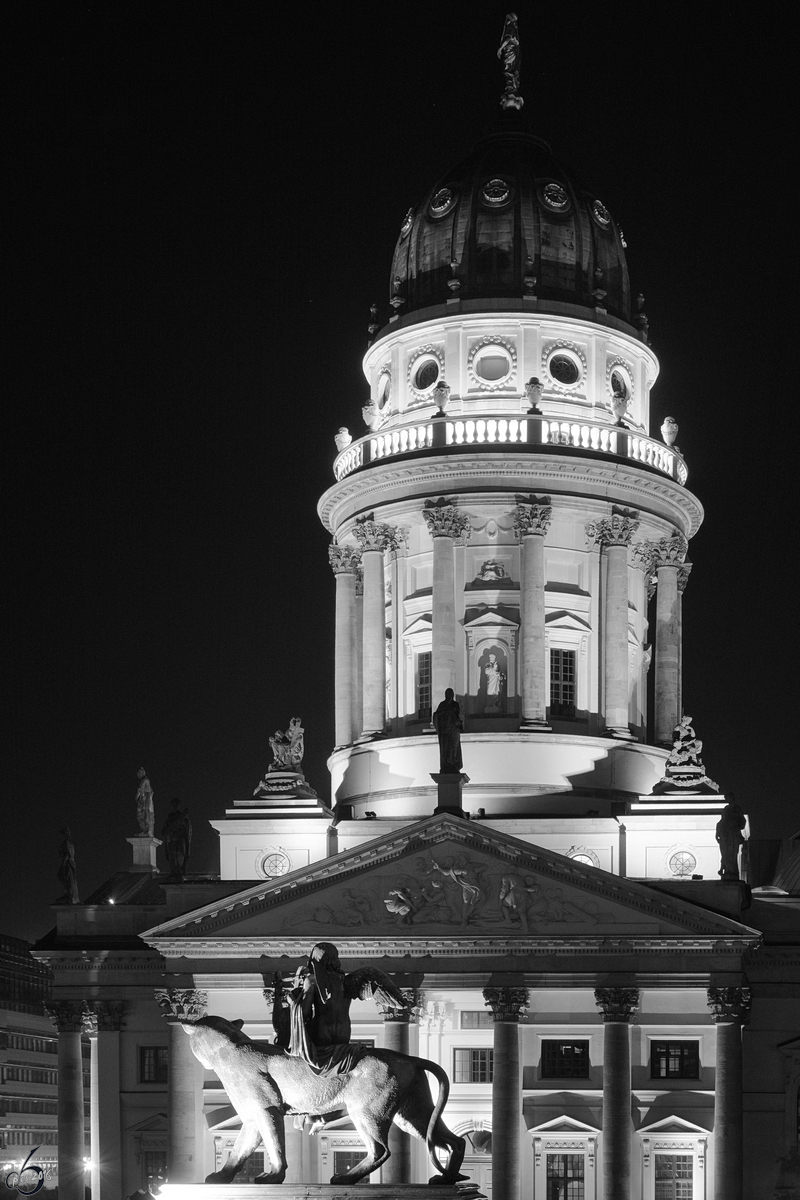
(473, 469)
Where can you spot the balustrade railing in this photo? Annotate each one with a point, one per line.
(536, 432)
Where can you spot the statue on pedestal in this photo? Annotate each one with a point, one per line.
(448, 721)
(177, 835)
(729, 838)
(67, 871)
(145, 812)
(287, 748)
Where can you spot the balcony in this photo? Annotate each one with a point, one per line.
(443, 434)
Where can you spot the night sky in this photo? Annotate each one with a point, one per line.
(205, 199)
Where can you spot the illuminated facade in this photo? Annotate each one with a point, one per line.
(507, 527)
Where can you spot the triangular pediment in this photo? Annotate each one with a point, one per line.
(491, 620)
(422, 624)
(566, 620)
(672, 1124)
(450, 884)
(153, 1124)
(564, 1124)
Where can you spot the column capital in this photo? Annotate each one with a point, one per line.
(445, 520)
(617, 1003)
(68, 1016)
(343, 559)
(506, 1003)
(108, 1014)
(182, 1004)
(376, 535)
(729, 1005)
(406, 1016)
(684, 571)
(532, 516)
(616, 530)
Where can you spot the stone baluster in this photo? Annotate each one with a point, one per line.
(106, 1018)
(344, 561)
(185, 1084)
(684, 572)
(374, 538)
(730, 1008)
(508, 1005)
(69, 1018)
(396, 1028)
(446, 525)
(531, 523)
(614, 535)
(617, 1005)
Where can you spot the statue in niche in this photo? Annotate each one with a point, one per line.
(177, 835)
(448, 721)
(67, 871)
(145, 811)
(729, 837)
(287, 748)
(495, 680)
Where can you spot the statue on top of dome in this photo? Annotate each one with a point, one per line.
(511, 56)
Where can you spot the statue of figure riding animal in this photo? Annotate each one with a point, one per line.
(264, 1082)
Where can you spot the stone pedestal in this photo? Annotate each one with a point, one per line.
(144, 853)
(449, 792)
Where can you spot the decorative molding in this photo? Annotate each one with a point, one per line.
(729, 1005)
(343, 559)
(532, 516)
(182, 1004)
(617, 1003)
(445, 520)
(616, 530)
(375, 535)
(506, 1003)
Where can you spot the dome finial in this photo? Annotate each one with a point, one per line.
(511, 55)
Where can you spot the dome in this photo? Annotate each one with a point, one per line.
(508, 222)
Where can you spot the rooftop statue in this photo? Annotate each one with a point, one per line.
(177, 835)
(145, 812)
(511, 55)
(729, 837)
(287, 748)
(684, 767)
(448, 721)
(67, 872)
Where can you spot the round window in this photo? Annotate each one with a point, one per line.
(583, 858)
(492, 367)
(601, 214)
(564, 369)
(426, 375)
(274, 863)
(496, 192)
(406, 226)
(554, 197)
(384, 390)
(682, 863)
(620, 388)
(442, 202)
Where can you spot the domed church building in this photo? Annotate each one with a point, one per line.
(542, 866)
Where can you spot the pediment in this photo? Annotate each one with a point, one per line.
(422, 624)
(566, 620)
(491, 620)
(672, 1124)
(153, 1124)
(564, 1124)
(445, 882)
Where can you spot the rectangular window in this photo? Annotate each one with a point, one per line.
(424, 703)
(674, 1177)
(476, 1020)
(563, 693)
(675, 1060)
(155, 1165)
(565, 1177)
(153, 1064)
(565, 1060)
(473, 1066)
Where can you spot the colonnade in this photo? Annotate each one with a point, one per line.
(360, 653)
(729, 1009)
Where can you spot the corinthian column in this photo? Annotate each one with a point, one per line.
(69, 1016)
(684, 572)
(374, 539)
(344, 560)
(730, 1009)
(531, 523)
(446, 525)
(106, 1017)
(617, 1006)
(185, 1084)
(613, 534)
(508, 1005)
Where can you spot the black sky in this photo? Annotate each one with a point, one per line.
(205, 199)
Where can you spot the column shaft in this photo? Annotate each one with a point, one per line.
(443, 634)
(616, 1111)
(506, 1093)
(107, 1153)
(616, 640)
(398, 1168)
(344, 657)
(534, 711)
(358, 663)
(374, 643)
(728, 1126)
(94, 1118)
(183, 1164)
(667, 654)
(71, 1141)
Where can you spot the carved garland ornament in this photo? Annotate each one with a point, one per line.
(502, 344)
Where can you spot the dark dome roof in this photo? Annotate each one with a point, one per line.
(506, 222)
